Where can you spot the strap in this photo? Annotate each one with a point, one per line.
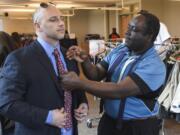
(114, 65)
(110, 71)
(123, 101)
(119, 123)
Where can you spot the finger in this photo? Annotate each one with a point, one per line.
(82, 109)
(62, 121)
(80, 119)
(71, 51)
(73, 47)
(62, 125)
(62, 110)
(70, 54)
(79, 111)
(79, 115)
(78, 53)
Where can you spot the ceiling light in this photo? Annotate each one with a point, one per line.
(11, 5)
(88, 8)
(21, 18)
(17, 10)
(33, 5)
(99, 8)
(111, 8)
(67, 5)
(63, 1)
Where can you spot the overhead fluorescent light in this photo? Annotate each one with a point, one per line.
(99, 8)
(67, 5)
(111, 8)
(21, 18)
(88, 8)
(17, 10)
(33, 5)
(63, 1)
(12, 5)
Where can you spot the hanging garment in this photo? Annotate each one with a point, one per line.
(166, 97)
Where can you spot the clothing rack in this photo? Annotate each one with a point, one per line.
(169, 98)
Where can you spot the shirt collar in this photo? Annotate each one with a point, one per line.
(48, 47)
(149, 51)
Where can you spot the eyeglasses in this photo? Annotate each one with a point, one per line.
(52, 19)
(45, 5)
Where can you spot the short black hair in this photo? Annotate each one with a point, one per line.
(152, 24)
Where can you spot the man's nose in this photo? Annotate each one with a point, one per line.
(61, 22)
(128, 32)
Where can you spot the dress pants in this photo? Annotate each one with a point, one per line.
(150, 126)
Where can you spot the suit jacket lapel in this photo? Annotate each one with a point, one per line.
(44, 60)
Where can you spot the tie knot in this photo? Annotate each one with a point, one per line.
(56, 52)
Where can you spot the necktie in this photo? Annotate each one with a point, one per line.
(67, 94)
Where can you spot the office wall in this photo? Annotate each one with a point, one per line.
(153, 6)
(112, 20)
(96, 22)
(90, 22)
(167, 11)
(21, 26)
(171, 18)
(83, 22)
(79, 24)
(1, 25)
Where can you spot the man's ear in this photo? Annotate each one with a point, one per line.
(37, 27)
(150, 37)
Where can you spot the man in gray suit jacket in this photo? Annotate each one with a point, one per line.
(30, 88)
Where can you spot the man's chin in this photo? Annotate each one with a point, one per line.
(128, 46)
(60, 37)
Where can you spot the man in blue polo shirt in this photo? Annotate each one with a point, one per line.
(135, 75)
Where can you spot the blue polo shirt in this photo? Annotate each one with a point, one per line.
(148, 71)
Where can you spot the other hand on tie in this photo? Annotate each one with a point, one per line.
(70, 81)
(77, 54)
